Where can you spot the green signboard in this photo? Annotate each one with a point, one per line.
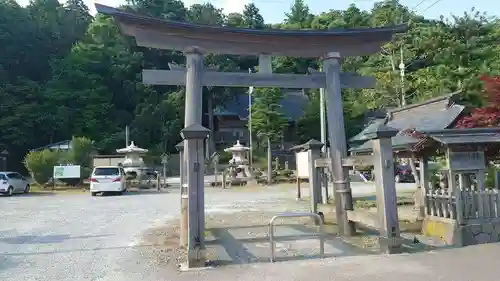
(67, 172)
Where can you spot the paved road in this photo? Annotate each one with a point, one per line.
(464, 264)
(79, 237)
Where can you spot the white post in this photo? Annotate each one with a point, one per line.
(324, 149)
(250, 138)
(322, 118)
(313, 148)
(424, 186)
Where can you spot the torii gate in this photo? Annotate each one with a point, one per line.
(195, 40)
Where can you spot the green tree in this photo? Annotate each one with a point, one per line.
(81, 151)
(166, 9)
(252, 17)
(299, 17)
(40, 164)
(205, 14)
(268, 121)
(235, 20)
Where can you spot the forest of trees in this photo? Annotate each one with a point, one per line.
(65, 73)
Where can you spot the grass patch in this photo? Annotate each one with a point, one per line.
(367, 203)
(35, 188)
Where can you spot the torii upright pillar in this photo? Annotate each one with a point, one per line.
(338, 146)
(194, 87)
(194, 135)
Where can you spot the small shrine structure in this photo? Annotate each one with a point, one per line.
(438, 113)
(456, 203)
(460, 208)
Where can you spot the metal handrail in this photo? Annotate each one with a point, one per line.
(314, 216)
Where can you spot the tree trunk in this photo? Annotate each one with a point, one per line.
(269, 162)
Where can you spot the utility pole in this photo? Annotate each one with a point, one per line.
(126, 136)
(250, 140)
(324, 150)
(322, 118)
(402, 67)
(265, 67)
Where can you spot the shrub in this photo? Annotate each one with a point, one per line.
(81, 151)
(224, 156)
(490, 176)
(41, 164)
(286, 173)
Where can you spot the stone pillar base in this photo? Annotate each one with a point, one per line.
(475, 232)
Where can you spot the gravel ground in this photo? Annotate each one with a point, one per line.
(79, 237)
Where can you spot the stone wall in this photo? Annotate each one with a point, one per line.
(474, 232)
(480, 232)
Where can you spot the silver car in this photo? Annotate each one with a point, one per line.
(12, 182)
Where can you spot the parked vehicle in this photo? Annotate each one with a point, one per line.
(110, 179)
(403, 173)
(12, 182)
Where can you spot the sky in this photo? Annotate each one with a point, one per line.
(274, 11)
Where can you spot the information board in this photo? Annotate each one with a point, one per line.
(473, 160)
(67, 172)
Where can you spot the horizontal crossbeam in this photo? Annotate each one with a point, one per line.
(177, 76)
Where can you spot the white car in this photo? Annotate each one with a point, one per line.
(110, 179)
(12, 182)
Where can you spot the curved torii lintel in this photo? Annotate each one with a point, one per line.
(164, 34)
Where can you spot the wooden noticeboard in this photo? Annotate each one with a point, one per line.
(302, 161)
(462, 161)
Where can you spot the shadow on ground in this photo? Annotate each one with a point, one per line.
(44, 239)
(250, 244)
(134, 192)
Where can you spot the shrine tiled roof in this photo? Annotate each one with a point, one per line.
(292, 106)
(470, 136)
(434, 114)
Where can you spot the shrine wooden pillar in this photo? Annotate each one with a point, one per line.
(337, 140)
(194, 89)
(194, 136)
